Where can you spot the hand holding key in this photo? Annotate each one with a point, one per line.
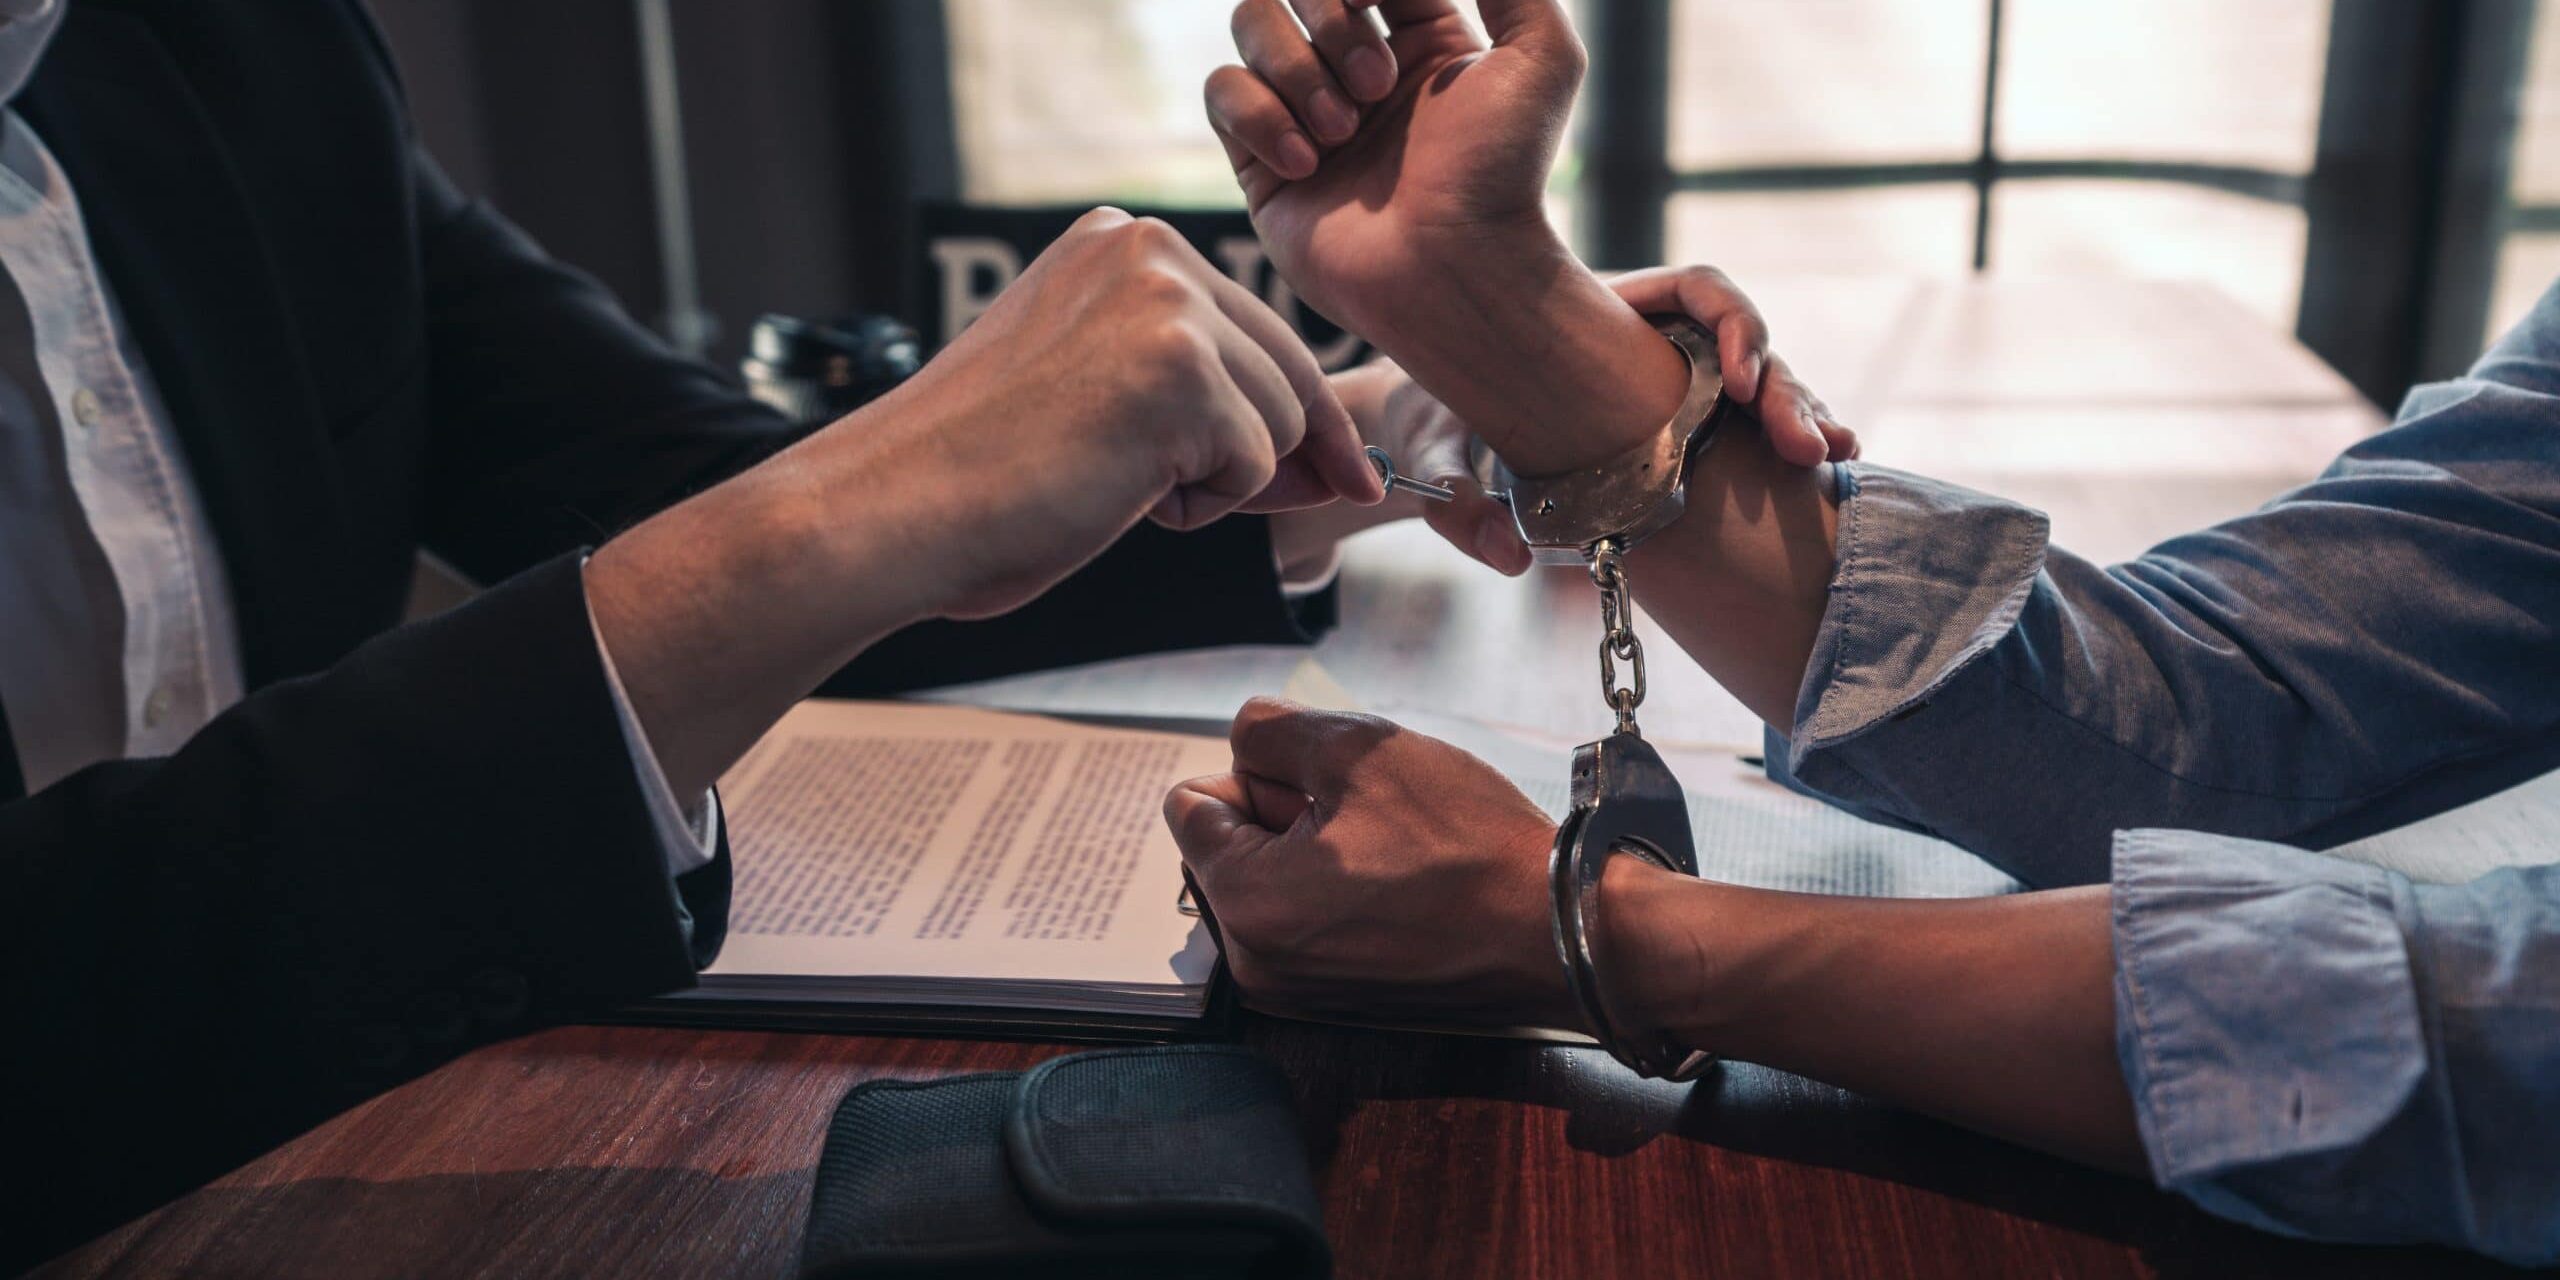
(1396, 483)
(1120, 377)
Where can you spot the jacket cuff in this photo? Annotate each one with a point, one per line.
(552, 885)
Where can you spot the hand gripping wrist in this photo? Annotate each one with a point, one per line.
(1628, 498)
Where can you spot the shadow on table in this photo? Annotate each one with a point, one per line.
(541, 1222)
(1756, 1111)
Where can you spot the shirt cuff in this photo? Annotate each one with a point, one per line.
(1319, 579)
(688, 835)
(2240, 1081)
(1928, 576)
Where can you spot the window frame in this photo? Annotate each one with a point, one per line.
(2410, 172)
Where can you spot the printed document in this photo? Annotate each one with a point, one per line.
(902, 852)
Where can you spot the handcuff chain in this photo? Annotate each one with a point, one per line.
(1618, 635)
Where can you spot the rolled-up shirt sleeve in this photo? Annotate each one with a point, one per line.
(2363, 651)
(1928, 578)
(2325, 1048)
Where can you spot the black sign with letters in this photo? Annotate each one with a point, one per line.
(969, 254)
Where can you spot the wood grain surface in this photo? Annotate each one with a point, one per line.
(630, 1151)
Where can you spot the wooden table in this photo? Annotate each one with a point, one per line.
(631, 1151)
(636, 1152)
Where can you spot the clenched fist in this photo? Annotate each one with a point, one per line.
(1357, 868)
(1120, 377)
(1449, 152)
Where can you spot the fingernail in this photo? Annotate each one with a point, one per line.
(1332, 117)
(1366, 70)
(1297, 155)
(1813, 430)
(1751, 376)
(1493, 543)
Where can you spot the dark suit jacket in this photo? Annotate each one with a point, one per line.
(409, 840)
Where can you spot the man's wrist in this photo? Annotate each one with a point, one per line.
(868, 506)
(1668, 951)
(722, 610)
(1533, 352)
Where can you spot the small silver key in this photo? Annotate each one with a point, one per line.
(1387, 476)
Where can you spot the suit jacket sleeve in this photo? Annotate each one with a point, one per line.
(337, 885)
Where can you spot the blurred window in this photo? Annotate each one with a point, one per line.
(2529, 254)
(2250, 249)
(1789, 82)
(2164, 138)
(1087, 101)
(2203, 81)
(1098, 101)
(1920, 230)
(2154, 138)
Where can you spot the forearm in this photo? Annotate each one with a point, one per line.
(1743, 577)
(1994, 1013)
(724, 610)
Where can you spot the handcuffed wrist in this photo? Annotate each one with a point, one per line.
(1606, 964)
(1643, 963)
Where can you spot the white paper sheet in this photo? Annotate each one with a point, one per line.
(909, 841)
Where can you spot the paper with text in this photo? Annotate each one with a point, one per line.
(945, 842)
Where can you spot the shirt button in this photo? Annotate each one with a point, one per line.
(156, 707)
(84, 407)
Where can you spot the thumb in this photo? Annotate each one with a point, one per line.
(1436, 445)
(1212, 819)
(1437, 448)
(1538, 26)
(1480, 527)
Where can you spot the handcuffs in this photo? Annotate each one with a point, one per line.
(1625, 800)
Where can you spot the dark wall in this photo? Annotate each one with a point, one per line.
(810, 130)
(538, 108)
(433, 45)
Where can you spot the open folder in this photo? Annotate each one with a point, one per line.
(942, 868)
(932, 867)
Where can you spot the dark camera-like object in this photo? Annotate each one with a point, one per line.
(817, 371)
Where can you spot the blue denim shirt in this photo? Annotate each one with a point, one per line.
(2313, 1045)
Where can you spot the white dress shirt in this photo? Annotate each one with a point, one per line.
(120, 635)
(117, 638)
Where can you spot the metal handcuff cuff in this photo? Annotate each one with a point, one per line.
(1625, 799)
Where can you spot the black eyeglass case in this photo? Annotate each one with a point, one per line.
(1178, 1161)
